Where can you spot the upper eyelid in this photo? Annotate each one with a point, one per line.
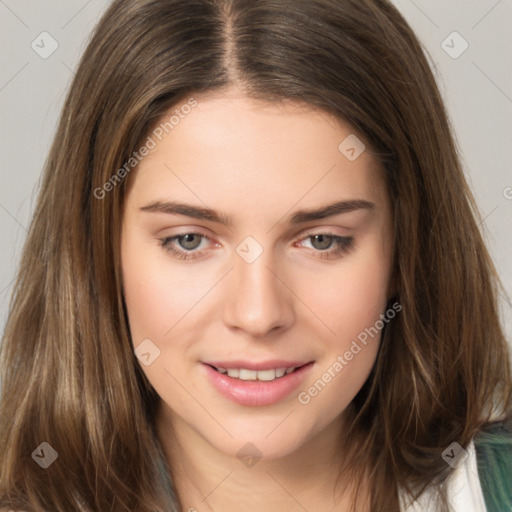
(175, 236)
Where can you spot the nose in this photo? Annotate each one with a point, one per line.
(257, 300)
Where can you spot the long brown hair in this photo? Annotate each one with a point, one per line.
(69, 375)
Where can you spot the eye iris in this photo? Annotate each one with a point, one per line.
(321, 242)
(189, 241)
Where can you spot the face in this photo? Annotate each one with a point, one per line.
(255, 240)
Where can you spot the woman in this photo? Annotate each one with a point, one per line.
(255, 277)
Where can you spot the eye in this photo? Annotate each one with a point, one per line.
(328, 245)
(190, 241)
(189, 246)
(321, 242)
(184, 246)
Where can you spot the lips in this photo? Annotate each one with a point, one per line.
(247, 388)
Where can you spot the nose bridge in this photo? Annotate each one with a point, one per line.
(257, 301)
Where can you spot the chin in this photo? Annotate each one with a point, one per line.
(261, 440)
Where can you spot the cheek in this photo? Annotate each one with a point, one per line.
(352, 304)
(350, 301)
(156, 295)
(362, 298)
(159, 297)
(351, 297)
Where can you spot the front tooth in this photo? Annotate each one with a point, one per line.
(233, 372)
(247, 374)
(289, 370)
(267, 374)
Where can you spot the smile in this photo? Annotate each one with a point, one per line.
(256, 388)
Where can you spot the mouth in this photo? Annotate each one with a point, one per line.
(257, 387)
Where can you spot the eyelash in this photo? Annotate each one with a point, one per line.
(343, 245)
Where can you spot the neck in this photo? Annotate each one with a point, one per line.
(206, 479)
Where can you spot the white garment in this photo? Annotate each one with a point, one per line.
(464, 489)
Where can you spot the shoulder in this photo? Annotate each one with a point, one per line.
(463, 487)
(465, 491)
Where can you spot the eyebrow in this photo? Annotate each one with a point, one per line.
(299, 217)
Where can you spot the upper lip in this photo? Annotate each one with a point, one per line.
(257, 366)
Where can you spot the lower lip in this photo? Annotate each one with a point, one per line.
(257, 393)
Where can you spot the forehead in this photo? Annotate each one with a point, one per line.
(236, 149)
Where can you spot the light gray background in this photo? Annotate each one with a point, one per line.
(477, 87)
